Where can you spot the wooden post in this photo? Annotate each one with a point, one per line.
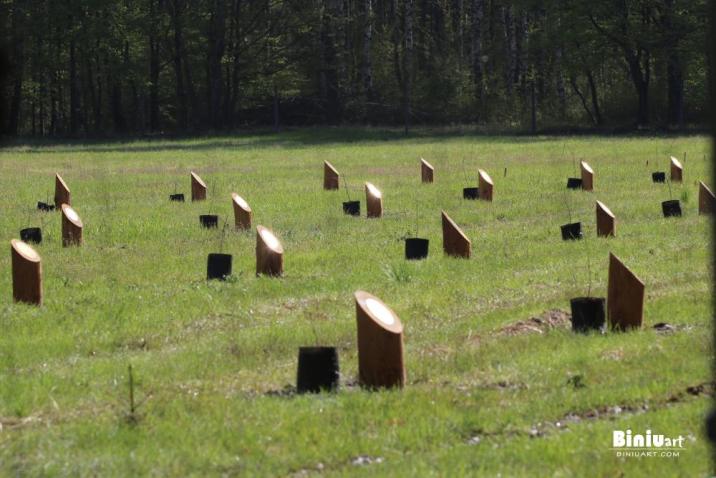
(426, 171)
(198, 188)
(606, 221)
(330, 176)
(62, 192)
(587, 176)
(625, 296)
(455, 242)
(71, 227)
(242, 212)
(373, 201)
(269, 253)
(677, 171)
(380, 343)
(707, 200)
(485, 185)
(26, 273)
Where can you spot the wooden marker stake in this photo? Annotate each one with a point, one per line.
(373, 200)
(331, 177)
(455, 242)
(62, 192)
(71, 227)
(587, 176)
(485, 185)
(426, 171)
(269, 253)
(606, 221)
(26, 273)
(625, 296)
(198, 188)
(707, 200)
(242, 212)
(380, 343)
(677, 170)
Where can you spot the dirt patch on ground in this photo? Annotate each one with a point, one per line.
(551, 319)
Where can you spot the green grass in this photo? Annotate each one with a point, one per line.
(209, 357)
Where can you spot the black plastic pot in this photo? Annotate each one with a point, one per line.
(658, 177)
(587, 313)
(416, 248)
(571, 231)
(209, 220)
(218, 266)
(671, 208)
(351, 208)
(470, 193)
(176, 197)
(317, 369)
(43, 206)
(574, 183)
(31, 234)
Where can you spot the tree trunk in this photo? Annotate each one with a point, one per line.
(595, 99)
(74, 91)
(154, 65)
(367, 65)
(675, 80)
(18, 67)
(407, 63)
(181, 96)
(478, 12)
(216, 44)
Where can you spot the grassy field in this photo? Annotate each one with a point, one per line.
(215, 363)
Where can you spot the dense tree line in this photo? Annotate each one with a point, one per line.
(93, 67)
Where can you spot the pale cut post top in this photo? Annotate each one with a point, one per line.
(62, 181)
(378, 311)
(485, 177)
(197, 178)
(25, 250)
(374, 191)
(605, 209)
(331, 167)
(240, 202)
(269, 239)
(625, 268)
(426, 163)
(71, 215)
(455, 227)
(676, 163)
(587, 167)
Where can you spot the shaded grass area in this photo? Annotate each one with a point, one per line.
(213, 360)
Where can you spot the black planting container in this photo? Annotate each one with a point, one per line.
(658, 177)
(176, 197)
(317, 369)
(470, 193)
(571, 231)
(574, 183)
(218, 266)
(671, 208)
(209, 220)
(587, 313)
(416, 248)
(43, 206)
(31, 234)
(351, 208)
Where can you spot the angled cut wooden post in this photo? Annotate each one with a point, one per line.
(677, 170)
(373, 201)
(587, 176)
(242, 212)
(485, 185)
(71, 227)
(26, 273)
(331, 177)
(455, 242)
(606, 221)
(269, 253)
(62, 192)
(707, 200)
(380, 343)
(198, 188)
(427, 171)
(625, 296)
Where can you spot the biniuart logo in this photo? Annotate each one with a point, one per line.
(647, 445)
